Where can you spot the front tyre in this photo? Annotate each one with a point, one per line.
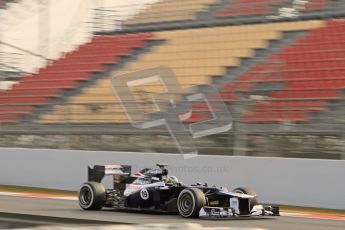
(91, 196)
(190, 201)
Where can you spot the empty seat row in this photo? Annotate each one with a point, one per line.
(273, 117)
(290, 105)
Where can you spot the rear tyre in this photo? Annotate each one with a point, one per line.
(190, 201)
(91, 196)
(244, 190)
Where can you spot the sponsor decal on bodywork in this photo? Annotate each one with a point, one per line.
(133, 188)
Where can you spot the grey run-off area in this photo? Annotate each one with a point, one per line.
(69, 211)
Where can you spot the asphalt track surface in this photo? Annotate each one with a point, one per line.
(71, 213)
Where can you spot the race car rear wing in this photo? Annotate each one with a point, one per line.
(98, 172)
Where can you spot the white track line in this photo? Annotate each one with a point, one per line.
(318, 216)
(37, 195)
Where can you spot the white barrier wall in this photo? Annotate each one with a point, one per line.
(301, 182)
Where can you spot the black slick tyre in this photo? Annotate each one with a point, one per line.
(91, 196)
(190, 201)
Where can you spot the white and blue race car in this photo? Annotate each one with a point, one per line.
(151, 189)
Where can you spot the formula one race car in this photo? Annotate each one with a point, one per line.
(153, 190)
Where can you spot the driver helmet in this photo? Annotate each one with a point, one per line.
(171, 179)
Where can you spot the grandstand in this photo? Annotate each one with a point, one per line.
(281, 75)
(193, 63)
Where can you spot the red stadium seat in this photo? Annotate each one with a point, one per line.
(25, 100)
(9, 118)
(16, 109)
(30, 92)
(270, 117)
(307, 94)
(268, 106)
(81, 76)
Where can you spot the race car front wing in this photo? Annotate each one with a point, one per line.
(224, 212)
